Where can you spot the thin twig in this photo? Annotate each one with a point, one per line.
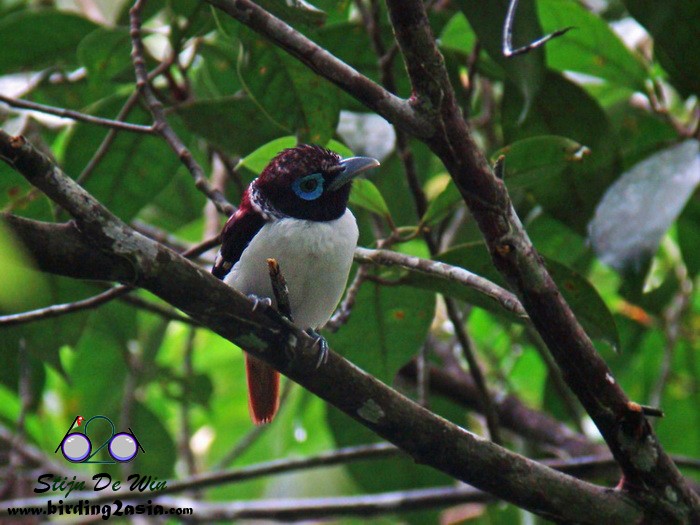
(313, 509)
(508, 50)
(166, 313)
(453, 274)
(279, 288)
(218, 479)
(536, 426)
(571, 404)
(185, 426)
(672, 319)
(386, 63)
(107, 142)
(57, 310)
(161, 122)
(342, 314)
(76, 115)
(393, 108)
(489, 408)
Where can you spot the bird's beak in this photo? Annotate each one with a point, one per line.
(351, 168)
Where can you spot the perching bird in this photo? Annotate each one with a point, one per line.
(295, 212)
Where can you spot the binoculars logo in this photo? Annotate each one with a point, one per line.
(77, 447)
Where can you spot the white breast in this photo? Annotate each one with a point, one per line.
(315, 258)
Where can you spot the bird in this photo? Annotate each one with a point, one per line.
(296, 212)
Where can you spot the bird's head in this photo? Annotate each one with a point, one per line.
(310, 182)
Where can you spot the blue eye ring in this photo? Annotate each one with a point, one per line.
(309, 187)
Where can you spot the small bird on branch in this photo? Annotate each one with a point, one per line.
(296, 213)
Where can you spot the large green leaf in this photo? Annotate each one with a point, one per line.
(393, 321)
(529, 163)
(34, 39)
(234, 124)
(538, 160)
(640, 132)
(562, 108)
(591, 47)
(135, 169)
(366, 195)
(639, 208)
(674, 26)
(291, 95)
(215, 75)
(442, 205)
(105, 53)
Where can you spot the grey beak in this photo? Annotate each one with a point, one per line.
(352, 167)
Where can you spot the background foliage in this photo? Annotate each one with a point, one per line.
(600, 134)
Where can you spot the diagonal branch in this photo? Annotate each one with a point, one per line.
(631, 439)
(428, 438)
(375, 97)
(77, 115)
(161, 122)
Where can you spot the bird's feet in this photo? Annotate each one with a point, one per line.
(265, 302)
(322, 344)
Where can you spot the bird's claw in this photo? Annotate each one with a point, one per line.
(258, 301)
(323, 348)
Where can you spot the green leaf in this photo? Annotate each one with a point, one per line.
(256, 161)
(525, 71)
(292, 96)
(234, 124)
(160, 454)
(537, 160)
(689, 235)
(393, 321)
(35, 39)
(106, 54)
(458, 35)
(640, 132)
(366, 195)
(135, 169)
(674, 26)
(562, 108)
(215, 75)
(591, 47)
(17, 271)
(639, 208)
(442, 205)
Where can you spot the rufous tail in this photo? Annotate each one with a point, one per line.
(263, 390)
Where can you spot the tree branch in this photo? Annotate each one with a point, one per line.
(270, 337)
(391, 107)
(454, 274)
(649, 472)
(161, 122)
(76, 115)
(513, 415)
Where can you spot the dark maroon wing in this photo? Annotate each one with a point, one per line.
(235, 237)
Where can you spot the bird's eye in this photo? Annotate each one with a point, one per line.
(309, 187)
